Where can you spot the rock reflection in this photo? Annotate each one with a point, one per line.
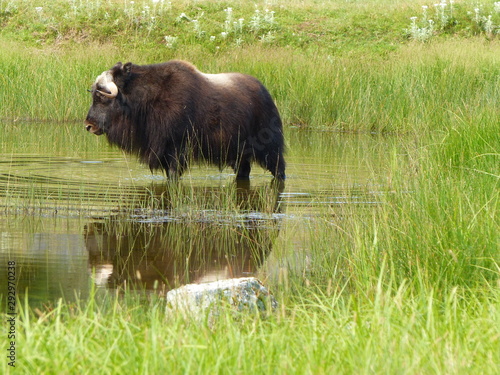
(168, 250)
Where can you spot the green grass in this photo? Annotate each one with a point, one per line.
(406, 286)
(380, 331)
(345, 66)
(420, 89)
(440, 224)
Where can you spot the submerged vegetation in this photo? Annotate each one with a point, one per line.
(407, 285)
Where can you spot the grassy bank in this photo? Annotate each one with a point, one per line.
(344, 66)
(389, 331)
(409, 285)
(419, 89)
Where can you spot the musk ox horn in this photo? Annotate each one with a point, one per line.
(113, 90)
(106, 84)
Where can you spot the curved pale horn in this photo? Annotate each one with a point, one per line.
(113, 90)
(105, 81)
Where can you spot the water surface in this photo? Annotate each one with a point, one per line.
(73, 221)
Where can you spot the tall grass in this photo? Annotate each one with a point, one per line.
(46, 85)
(418, 89)
(438, 226)
(323, 69)
(409, 285)
(384, 331)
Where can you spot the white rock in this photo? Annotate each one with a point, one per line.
(204, 300)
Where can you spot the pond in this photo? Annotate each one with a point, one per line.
(102, 220)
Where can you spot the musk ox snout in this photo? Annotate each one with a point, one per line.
(92, 128)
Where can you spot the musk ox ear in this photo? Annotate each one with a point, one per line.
(121, 74)
(127, 68)
(121, 70)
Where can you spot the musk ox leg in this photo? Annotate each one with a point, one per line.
(173, 173)
(174, 167)
(242, 170)
(275, 163)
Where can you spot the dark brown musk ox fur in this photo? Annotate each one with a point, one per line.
(171, 113)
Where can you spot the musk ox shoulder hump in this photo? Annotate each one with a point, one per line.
(180, 65)
(220, 79)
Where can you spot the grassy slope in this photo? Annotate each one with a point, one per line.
(410, 288)
(327, 64)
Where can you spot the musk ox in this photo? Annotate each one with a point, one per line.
(171, 113)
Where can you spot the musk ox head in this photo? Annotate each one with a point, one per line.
(104, 93)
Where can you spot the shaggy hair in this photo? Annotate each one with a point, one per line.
(171, 113)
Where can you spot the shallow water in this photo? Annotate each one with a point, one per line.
(73, 222)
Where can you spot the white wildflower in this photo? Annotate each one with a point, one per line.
(170, 41)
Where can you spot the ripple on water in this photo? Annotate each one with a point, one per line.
(105, 218)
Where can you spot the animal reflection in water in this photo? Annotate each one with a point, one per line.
(168, 252)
